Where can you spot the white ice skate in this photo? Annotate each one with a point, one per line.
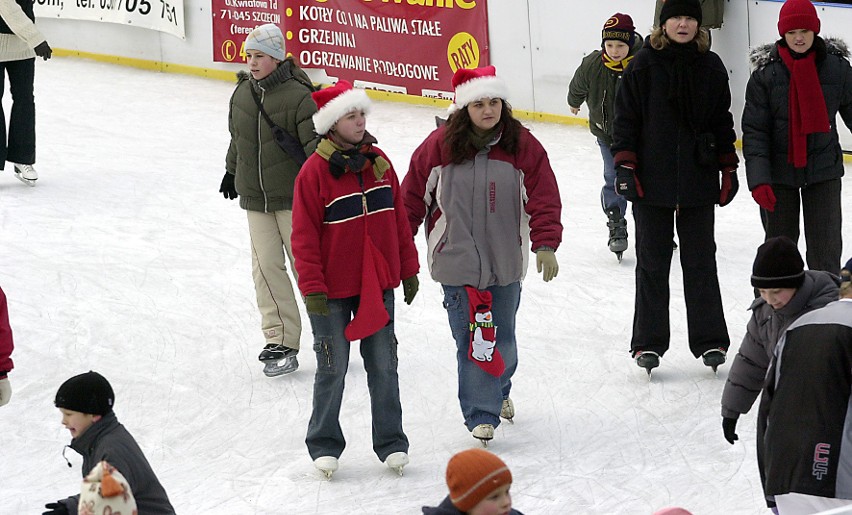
(26, 174)
(484, 433)
(327, 465)
(396, 461)
(507, 411)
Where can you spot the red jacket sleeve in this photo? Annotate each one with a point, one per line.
(414, 184)
(544, 205)
(408, 262)
(308, 213)
(6, 344)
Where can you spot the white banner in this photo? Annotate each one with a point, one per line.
(161, 15)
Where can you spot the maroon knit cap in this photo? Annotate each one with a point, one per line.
(620, 27)
(798, 14)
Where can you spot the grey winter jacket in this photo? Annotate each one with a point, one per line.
(266, 174)
(748, 371)
(596, 85)
(765, 118)
(446, 508)
(108, 440)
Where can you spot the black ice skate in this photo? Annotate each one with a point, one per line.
(713, 358)
(648, 360)
(278, 360)
(617, 232)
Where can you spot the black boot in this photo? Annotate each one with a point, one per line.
(617, 231)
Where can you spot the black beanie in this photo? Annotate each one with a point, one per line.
(87, 393)
(672, 8)
(778, 265)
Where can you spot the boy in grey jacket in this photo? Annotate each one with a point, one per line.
(86, 402)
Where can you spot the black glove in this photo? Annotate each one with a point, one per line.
(627, 184)
(43, 50)
(728, 427)
(56, 508)
(227, 189)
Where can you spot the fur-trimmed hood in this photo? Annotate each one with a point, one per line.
(762, 55)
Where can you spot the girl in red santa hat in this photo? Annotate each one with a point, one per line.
(790, 143)
(352, 247)
(488, 195)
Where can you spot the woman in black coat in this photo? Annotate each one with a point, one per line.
(808, 79)
(673, 135)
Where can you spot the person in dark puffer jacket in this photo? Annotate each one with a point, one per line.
(787, 291)
(673, 136)
(805, 78)
(86, 402)
(263, 175)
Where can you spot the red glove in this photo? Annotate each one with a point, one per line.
(764, 196)
(729, 188)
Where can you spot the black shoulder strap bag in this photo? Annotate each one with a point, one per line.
(284, 139)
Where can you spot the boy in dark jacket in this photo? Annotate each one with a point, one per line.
(86, 403)
(595, 83)
(479, 484)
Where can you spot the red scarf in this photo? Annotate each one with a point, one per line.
(807, 111)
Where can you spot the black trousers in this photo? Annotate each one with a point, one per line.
(19, 146)
(820, 207)
(704, 315)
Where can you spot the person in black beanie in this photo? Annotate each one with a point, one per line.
(86, 402)
(787, 291)
(673, 148)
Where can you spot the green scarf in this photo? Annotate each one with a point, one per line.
(480, 141)
(353, 160)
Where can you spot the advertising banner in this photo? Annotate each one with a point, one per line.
(160, 15)
(403, 46)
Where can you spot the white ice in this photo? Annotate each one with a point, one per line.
(126, 260)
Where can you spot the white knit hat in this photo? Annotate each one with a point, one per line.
(475, 84)
(337, 101)
(105, 490)
(267, 39)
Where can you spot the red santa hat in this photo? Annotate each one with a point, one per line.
(476, 84)
(334, 102)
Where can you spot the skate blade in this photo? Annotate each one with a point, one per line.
(618, 255)
(29, 182)
(275, 369)
(398, 470)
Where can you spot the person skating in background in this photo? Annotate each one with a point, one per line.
(673, 137)
(20, 43)
(792, 152)
(7, 345)
(804, 420)
(262, 172)
(486, 190)
(787, 291)
(86, 402)
(352, 246)
(595, 82)
(479, 483)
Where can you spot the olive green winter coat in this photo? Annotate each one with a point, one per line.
(264, 173)
(595, 84)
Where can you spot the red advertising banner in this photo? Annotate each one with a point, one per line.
(403, 46)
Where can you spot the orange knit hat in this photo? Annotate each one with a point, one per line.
(472, 475)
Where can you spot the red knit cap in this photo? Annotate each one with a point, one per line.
(472, 475)
(798, 14)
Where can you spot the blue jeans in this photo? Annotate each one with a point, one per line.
(325, 437)
(609, 198)
(481, 394)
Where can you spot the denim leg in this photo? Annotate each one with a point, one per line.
(379, 352)
(609, 198)
(481, 394)
(325, 438)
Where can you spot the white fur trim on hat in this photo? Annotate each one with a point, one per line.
(489, 86)
(338, 107)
